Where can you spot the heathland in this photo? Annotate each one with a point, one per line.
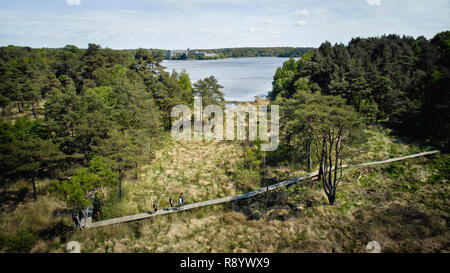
(96, 123)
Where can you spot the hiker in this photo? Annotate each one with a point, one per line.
(181, 200)
(98, 215)
(76, 219)
(155, 206)
(171, 202)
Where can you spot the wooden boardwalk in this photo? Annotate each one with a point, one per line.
(145, 215)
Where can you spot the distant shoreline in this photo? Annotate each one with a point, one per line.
(209, 59)
(222, 53)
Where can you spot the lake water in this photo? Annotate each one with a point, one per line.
(242, 78)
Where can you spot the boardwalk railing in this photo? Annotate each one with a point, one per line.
(145, 215)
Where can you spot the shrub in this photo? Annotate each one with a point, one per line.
(441, 169)
(22, 241)
(246, 178)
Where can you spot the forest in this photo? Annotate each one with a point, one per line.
(238, 52)
(85, 121)
(85, 117)
(259, 52)
(402, 82)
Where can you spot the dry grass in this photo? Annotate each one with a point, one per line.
(395, 204)
(296, 219)
(382, 144)
(202, 170)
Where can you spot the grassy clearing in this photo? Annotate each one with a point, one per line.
(372, 204)
(26, 225)
(403, 205)
(200, 170)
(382, 144)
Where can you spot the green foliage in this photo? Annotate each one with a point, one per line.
(283, 78)
(186, 86)
(167, 92)
(247, 179)
(106, 92)
(146, 61)
(23, 77)
(257, 52)
(325, 126)
(73, 192)
(209, 90)
(21, 242)
(441, 170)
(401, 80)
(369, 109)
(24, 154)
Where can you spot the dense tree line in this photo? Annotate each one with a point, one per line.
(240, 52)
(97, 115)
(259, 52)
(326, 97)
(400, 81)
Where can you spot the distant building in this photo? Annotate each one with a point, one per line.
(181, 52)
(197, 53)
(201, 53)
(176, 53)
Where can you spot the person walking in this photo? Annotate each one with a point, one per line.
(155, 206)
(181, 200)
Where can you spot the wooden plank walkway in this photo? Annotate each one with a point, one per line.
(145, 215)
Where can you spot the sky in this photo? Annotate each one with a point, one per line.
(181, 24)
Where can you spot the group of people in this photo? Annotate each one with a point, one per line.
(180, 202)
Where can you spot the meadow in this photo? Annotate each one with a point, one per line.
(401, 205)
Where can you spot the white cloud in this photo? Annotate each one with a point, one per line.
(253, 30)
(73, 2)
(303, 12)
(373, 2)
(159, 24)
(267, 21)
(300, 22)
(128, 11)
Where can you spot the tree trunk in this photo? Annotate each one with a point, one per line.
(34, 188)
(332, 196)
(264, 163)
(243, 151)
(33, 110)
(319, 176)
(136, 170)
(120, 183)
(309, 157)
(324, 142)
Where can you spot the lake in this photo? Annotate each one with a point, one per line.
(242, 78)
